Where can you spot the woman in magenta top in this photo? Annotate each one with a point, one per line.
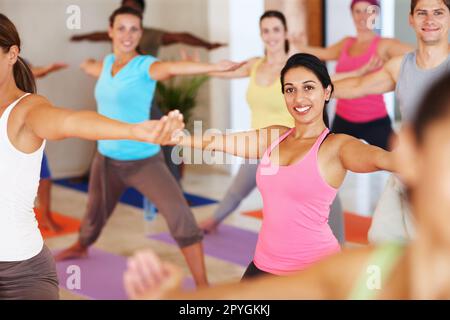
(365, 118)
(300, 172)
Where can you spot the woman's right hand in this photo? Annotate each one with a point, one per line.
(374, 64)
(149, 278)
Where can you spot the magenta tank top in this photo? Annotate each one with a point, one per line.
(297, 200)
(365, 109)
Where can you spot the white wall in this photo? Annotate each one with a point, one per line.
(45, 37)
(238, 21)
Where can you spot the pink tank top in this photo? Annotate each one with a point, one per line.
(297, 200)
(368, 108)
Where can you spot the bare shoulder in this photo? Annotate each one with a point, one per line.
(386, 42)
(30, 102)
(393, 66)
(251, 62)
(338, 139)
(276, 131)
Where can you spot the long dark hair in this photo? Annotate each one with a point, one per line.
(22, 73)
(316, 66)
(434, 106)
(125, 10)
(282, 18)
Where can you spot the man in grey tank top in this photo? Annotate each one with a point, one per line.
(410, 75)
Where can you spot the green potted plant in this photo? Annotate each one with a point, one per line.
(180, 94)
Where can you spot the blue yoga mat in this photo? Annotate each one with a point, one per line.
(133, 197)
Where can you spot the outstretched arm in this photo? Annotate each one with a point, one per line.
(40, 72)
(327, 54)
(52, 123)
(166, 70)
(249, 145)
(93, 36)
(360, 157)
(374, 64)
(379, 82)
(169, 38)
(147, 277)
(92, 67)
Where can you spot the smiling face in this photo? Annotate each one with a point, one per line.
(305, 95)
(126, 33)
(273, 34)
(361, 12)
(431, 21)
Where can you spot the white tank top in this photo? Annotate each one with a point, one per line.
(20, 238)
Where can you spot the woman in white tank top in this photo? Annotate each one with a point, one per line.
(27, 269)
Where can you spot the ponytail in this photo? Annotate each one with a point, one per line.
(9, 37)
(24, 76)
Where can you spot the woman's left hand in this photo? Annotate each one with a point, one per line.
(159, 131)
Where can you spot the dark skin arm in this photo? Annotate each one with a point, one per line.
(93, 36)
(168, 38)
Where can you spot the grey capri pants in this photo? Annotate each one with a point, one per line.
(32, 279)
(110, 178)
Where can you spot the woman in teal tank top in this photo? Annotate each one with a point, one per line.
(124, 91)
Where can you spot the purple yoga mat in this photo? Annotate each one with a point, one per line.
(231, 244)
(101, 276)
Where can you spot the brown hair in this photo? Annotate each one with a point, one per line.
(124, 10)
(22, 73)
(415, 2)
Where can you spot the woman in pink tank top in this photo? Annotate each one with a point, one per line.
(365, 118)
(300, 172)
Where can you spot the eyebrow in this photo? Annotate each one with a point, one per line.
(432, 10)
(305, 82)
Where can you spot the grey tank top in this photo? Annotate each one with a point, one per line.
(413, 83)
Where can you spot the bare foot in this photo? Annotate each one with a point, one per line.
(76, 251)
(209, 225)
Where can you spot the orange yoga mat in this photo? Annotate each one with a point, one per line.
(356, 226)
(68, 224)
